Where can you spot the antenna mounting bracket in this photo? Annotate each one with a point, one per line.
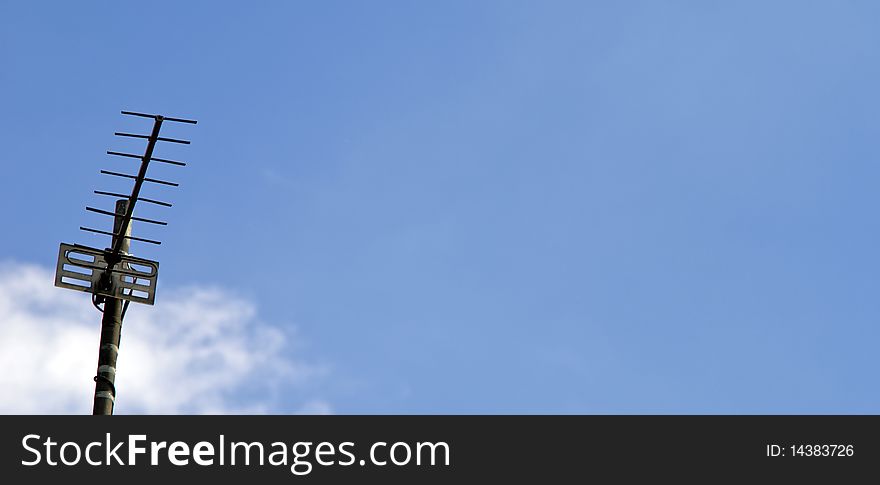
(89, 269)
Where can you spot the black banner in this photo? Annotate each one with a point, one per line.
(438, 449)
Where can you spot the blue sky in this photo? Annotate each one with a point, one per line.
(485, 207)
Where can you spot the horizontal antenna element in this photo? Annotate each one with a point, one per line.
(129, 155)
(123, 196)
(108, 213)
(97, 231)
(149, 137)
(135, 177)
(164, 118)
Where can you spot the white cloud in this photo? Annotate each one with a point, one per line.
(197, 351)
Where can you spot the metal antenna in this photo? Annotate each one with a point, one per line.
(113, 276)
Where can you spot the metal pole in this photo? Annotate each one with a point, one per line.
(111, 327)
(125, 223)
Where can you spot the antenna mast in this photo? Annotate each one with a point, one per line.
(112, 275)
